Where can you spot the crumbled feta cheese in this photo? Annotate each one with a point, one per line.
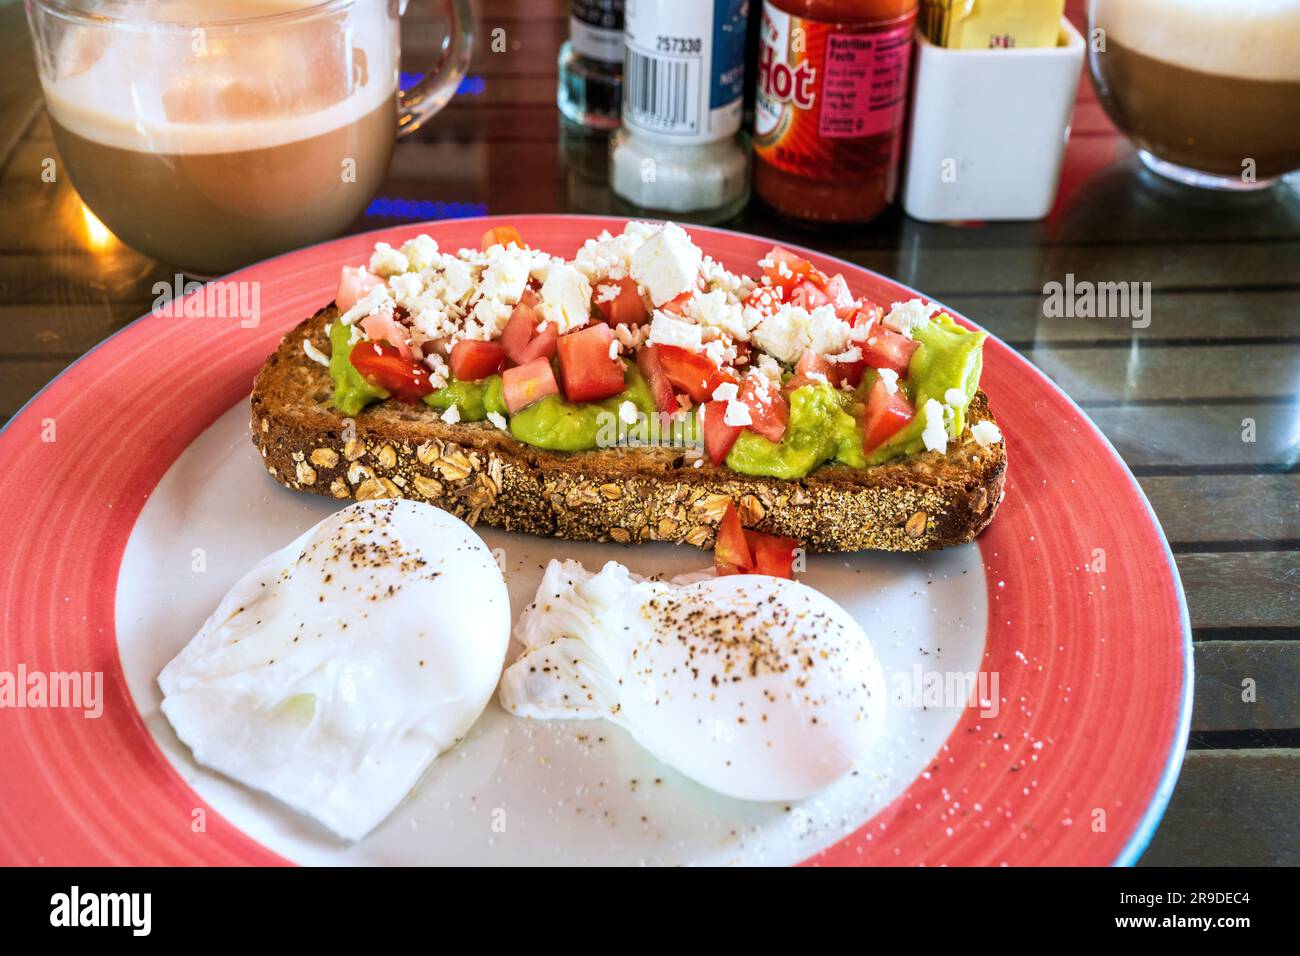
(566, 297)
(903, 317)
(627, 412)
(607, 292)
(631, 337)
(609, 256)
(954, 397)
(725, 392)
(935, 433)
(890, 378)
(986, 433)
(737, 413)
(668, 330)
(667, 264)
(768, 367)
(506, 274)
(456, 281)
(827, 332)
(438, 371)
(387, 261)
(315, 354)
(737, 288)
(783, 334)
(613, 349)
(373, 301)
(499, 420)
(712, 311)
(420, 252)
(487, 320)
(853, 354)
(720, 351)
(407, 289)
(452, 415)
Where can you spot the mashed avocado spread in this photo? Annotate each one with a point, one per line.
(825, 422)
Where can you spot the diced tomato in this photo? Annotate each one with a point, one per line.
(585, 365)
(382, 365)
(384, 327)
(786, 270)
(849, 373)
(692, 372)
(837, 290)
(501, 236)
(542, 346)
(765, 299)
(885, 415)
(677, 305)
(768, 408)
(519, 331)
(811, 369)
(773, 554)
(731, 551)
(623, 307)
(739, 551)
(652, 370)
(473, 361)
(525, 384)
(886, 349)
(718, 435)
(354, 282)
(865, 313)
(808, 296)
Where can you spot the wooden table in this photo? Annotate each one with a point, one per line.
(1172, 397)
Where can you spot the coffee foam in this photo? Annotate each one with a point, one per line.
(142, 87)
(1251, 39)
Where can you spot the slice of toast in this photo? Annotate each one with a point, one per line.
(480, 473)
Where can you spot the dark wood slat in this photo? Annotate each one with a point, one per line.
(1199, 436)
(1221, 668)
(1232, 808)
(1188, 316)
(1235, 590)
(1219, 508)
(1138, 374)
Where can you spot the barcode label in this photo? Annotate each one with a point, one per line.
(661, 93)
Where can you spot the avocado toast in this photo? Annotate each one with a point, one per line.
(642, 390)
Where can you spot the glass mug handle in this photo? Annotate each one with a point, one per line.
(439, 85)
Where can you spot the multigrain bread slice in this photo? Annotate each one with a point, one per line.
(480, 473)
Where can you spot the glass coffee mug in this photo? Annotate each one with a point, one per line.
(1208, 91)
(213, 133)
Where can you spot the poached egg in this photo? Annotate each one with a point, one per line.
(757, 687)
(335, 672)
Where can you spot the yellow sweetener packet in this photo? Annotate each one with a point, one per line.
(991, 24)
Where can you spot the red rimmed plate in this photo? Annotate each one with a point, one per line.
(132, 497)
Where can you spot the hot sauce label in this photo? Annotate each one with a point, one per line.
(824, 89)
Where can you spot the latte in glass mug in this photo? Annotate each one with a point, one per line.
(212, 133)
(1209, 90)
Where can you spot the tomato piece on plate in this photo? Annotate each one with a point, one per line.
(731, 549)
(519, 331)
(542, 346)
(692, 372)
(652, 370)
(678, 304)
(354, 282)
(768, 409)
(773, 554)
(811, 369)
(588, 372)
(525, 384)
(837, 290)
(886, 349)
(718, 435)
(885, 415)
(473, 361)
(808, 296)
(383, 365)
(501, 236)
(785, 270)
(619, 302)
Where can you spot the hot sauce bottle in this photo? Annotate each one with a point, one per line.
(831, 98)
